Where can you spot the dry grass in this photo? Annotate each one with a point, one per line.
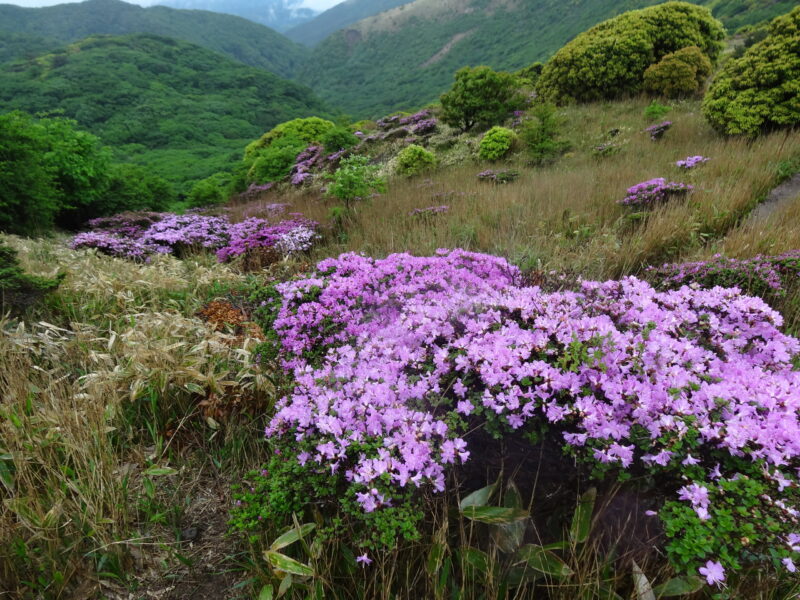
(131, 382)
(565, 216)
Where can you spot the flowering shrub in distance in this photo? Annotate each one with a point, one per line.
(429, 211)
(395, 361)
(765, 276)
(654, 191)
(285, 238)
(657, 131)
(176, 233)
(690, 162)
(112, 244)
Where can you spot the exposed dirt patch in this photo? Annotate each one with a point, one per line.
(446, 49)
(782, 195)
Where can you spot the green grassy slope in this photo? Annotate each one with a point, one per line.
(338, 17)
(182, 109)
(240, 39)
(406, 56)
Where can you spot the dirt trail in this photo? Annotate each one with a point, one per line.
(782, 195)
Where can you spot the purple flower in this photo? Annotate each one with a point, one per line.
(654, 191)
(657, 131)
(691, 162)
(713, 572)
(364, 559)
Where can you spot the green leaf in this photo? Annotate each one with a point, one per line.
(472, 558)
(286, 583)
(509, 537)
(478, 497)
(159, 471)
(291, 536)
(281, 562)
(642, 587)
(582, 519)
(543, 561)
(266, 593)
(679, 586)
(520, 575)
(494, 514)
(435, 558)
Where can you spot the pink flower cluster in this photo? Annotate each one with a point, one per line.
(174, 234)
(690, 162)
(388, 350)
(654, 191)
(287, 237)
(657, 131)
(304, 163)
(760, 275)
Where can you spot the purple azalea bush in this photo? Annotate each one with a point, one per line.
(395, 361)
(429, 211)
(654, 191)
(656, 132)
(765, 276)
(113, 244)
(285, 238)
(690, 162)
(177, 233)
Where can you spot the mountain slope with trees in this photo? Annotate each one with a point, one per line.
(237, 38)
(181, 109)
(406, 56)
(338, 17)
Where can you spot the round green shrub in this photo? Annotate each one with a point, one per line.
(496, 143)
(760, 90)
(337, 139)
(274, 162)
(415, 159)
(309, 130)
(609, 60)
(679, 74)
(211, 190)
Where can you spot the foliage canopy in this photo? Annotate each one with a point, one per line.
(609, 60)
(480, 96)
(761, 89)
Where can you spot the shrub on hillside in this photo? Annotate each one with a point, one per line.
(760, 90)
(309, 130)
(415, 159)
(19, 290)
(496, 143)
(355, 179)
(401, 365)
(541, 135)
(134, 188)
(275, 162)
(480, 96)
(609, 60)
(678, 74)
(338, 139)
(211, 190)
(655, 111)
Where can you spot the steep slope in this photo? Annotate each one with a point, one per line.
(338, 17)
(238, 38)
(406, 56)
(277, 14)
(182, 109)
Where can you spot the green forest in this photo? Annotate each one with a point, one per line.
(182, 111)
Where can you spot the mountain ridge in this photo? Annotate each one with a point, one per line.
(242, 40)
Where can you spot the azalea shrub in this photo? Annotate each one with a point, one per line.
(397, 364)
(765, 276)
(137, 236)
(654, 191)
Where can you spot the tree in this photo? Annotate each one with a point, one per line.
(760, 90)
(480, 96)
(355, 179)
(29, 198)
(609, 60)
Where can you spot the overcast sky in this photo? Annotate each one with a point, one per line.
(315, 4)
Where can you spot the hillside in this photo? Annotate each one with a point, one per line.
(338, 17)
(277, 14)
(179, 108)
(237, 38)
(406, 56)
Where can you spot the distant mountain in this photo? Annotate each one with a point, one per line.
(238, 38)
(278, 14)
(182, 110)
(406, 56)
(338, 17)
